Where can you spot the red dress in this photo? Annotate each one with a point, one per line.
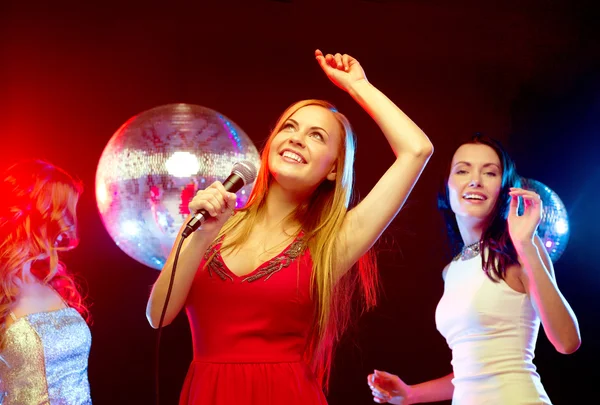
(249, 333)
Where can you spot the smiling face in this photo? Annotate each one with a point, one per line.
(475, 181)
(305, 150)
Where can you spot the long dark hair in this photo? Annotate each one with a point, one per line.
(497, 249)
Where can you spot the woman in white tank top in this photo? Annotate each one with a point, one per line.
(498, 289)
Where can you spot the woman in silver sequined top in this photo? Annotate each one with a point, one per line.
(44, 337)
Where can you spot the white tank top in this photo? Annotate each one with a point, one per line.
(491, 330)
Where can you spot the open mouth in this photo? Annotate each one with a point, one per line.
(474, 197)
(290, 155)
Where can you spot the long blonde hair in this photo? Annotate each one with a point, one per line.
(37, 221)
(321, 218)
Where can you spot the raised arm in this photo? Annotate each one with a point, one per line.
(216, 201)
(366, 222)
(558, 319)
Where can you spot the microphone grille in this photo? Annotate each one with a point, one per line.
(246, 170)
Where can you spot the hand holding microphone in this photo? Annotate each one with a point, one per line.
(214, 205)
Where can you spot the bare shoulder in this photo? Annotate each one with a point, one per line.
(514, 278)
(445, 271)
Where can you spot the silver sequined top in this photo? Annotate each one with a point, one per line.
(45, 360)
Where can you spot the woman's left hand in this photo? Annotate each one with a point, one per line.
(342, 70)
(522, 227)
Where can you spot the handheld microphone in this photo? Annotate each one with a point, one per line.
(243, 173)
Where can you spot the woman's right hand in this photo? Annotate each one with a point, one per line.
(388, 388)
(218, 202)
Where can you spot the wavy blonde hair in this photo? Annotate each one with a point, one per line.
(37, 220)
(321, 218)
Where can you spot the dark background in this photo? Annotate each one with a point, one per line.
(525, 72)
